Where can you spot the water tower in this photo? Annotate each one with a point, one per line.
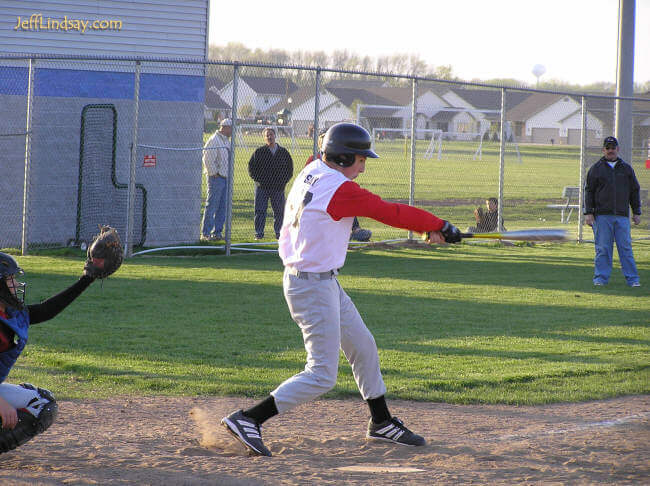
(538, 70)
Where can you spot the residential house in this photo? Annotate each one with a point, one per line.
(216, 107)
(482, 110)
(301, 107)
(256, 95)
(538, 118)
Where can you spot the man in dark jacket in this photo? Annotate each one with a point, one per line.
(612, 188)
(271, 167)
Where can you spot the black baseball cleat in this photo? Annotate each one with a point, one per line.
(247, 431)
(393, 430)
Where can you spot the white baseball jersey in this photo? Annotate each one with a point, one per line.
(310, 239)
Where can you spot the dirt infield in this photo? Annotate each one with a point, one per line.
(178, 441)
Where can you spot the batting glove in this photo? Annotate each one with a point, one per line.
(450, 233)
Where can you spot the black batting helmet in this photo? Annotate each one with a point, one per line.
(8, 268)
(345, 140)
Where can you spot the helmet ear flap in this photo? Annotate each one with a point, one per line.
(344, 160)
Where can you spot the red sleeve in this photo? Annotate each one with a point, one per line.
(351, 200)
(309, 160)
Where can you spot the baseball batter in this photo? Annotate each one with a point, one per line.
(313, 244)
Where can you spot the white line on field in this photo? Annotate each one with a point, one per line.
(591, 425)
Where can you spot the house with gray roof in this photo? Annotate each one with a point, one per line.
(301, 107)
(216, 107)
(256, 95)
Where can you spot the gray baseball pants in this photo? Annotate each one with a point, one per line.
(19, 397)
(329, 321)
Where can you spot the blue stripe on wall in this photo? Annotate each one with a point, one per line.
(13, 80)
(171, 87)
(73, 83)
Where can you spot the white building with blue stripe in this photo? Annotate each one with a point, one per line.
(82, 118)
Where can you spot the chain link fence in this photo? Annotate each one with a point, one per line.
(122, 142)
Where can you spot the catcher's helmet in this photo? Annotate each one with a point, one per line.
(9, 268)
(345, 140)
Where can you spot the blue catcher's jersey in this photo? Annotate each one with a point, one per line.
(18, 321)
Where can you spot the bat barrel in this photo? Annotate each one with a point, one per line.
(536, 235)
(523, 235)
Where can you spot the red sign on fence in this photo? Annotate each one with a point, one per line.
(149, 161)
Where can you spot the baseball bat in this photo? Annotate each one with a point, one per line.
(523, 235)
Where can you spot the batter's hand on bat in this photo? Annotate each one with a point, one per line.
(435, 238)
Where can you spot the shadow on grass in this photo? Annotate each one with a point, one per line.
(228, 324)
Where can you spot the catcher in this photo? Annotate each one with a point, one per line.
(26, 410)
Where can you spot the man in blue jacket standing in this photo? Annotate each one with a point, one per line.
(611, 189)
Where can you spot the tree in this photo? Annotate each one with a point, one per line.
(408, 64)
(245, 111)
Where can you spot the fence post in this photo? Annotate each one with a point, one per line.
(581, 176)
(502, 157)
(625, 78)
(28, 154)
(414, 110)
(130, 201)
(231, 158)
(316, 113)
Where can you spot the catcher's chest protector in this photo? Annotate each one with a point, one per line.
(18, 322)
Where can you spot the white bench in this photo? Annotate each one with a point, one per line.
(571, 194)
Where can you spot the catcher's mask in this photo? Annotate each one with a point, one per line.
(345, 140)
(12, 291)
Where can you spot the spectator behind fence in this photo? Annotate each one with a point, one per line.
(487, 220)
(612, 187)
(216, 154)
(358, 233)
(271, 167)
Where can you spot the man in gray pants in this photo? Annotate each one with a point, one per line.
(313, 244)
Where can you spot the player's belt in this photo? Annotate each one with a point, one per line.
(312, 275)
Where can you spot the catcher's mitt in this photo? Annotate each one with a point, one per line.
(105, 254)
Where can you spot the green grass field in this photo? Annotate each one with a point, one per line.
(451, 187)
(462, 324)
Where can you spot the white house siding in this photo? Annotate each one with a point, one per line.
(265, 101)
(572, 127)
(302, 116)
(152, 28)
(335, 113)
(429, 104)
(463, 127)
(550, 118)
(170, 113)
(245, 95)
(454, 100)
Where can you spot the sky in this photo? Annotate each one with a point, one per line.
(575, 40)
